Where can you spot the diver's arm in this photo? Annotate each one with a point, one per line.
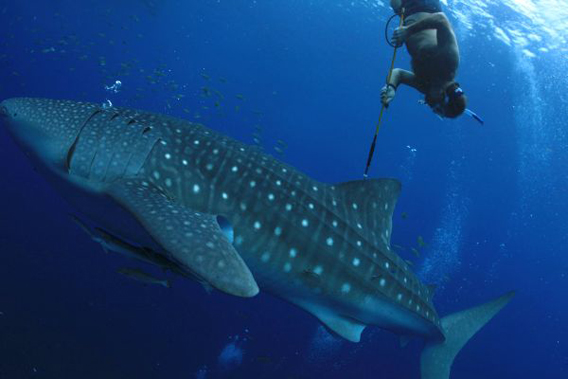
(399, 76)
(436, 21)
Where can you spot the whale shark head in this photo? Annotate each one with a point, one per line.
(45, 129)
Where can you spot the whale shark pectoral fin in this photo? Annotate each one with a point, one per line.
(193, 239)
(344, 327)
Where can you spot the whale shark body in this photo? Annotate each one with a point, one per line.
(187, 198)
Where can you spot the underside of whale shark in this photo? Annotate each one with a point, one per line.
(202, 205)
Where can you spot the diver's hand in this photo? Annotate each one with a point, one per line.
(387, 95)
(399, 36)
(396, 6)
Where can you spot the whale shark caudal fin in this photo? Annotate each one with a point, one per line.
(194, 240)
(437, 357)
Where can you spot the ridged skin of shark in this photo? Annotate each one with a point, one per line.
(324, 248)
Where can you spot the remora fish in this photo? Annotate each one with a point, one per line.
(167, 183)
(111, 243)
(143, 277)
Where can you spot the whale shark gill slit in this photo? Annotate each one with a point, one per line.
(71, 150)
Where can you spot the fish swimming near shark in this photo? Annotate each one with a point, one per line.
(229, 215)
(144, 277)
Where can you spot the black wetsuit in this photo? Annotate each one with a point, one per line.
(415, 6)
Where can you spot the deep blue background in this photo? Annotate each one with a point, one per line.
(490, 202)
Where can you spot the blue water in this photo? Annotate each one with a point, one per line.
(489, 201)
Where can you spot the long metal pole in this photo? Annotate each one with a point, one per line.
(372, 150)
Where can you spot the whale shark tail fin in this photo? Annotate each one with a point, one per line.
(437, 357)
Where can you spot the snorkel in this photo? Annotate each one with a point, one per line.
(473, 115)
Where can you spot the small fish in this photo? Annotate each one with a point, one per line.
(280, 146)
(415, 252)
(205, 76)
(401, 248)
(420, 241)
(404, 215)
(206, 286)
(408, 262)
(240, 97)
(265, 359)
(141, 276)
(257, 138)
(279, 150)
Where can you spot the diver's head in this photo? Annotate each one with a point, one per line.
(457, 101)
(450, 103)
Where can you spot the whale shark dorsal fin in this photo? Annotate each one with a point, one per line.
(369, 206)
(194, 240)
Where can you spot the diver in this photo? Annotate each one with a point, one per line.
(432, 45)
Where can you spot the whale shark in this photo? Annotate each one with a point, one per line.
(184, 197)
